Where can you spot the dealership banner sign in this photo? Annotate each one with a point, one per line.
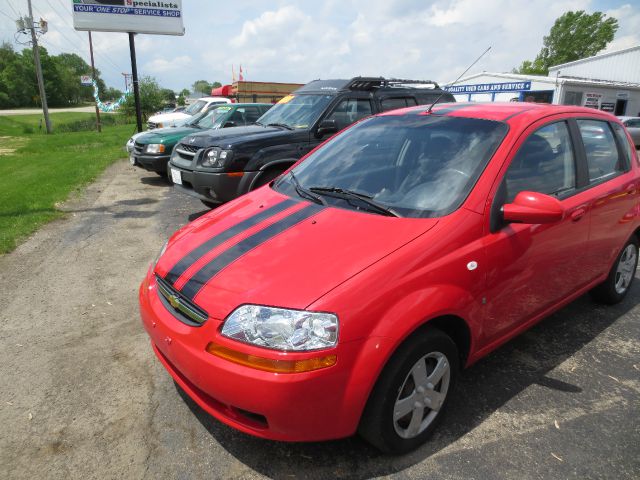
(489, 88)
(137, 16)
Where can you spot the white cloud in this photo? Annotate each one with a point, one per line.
(163, 65)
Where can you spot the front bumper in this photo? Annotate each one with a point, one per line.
(309, 406)
(152, 163)
(216, 187)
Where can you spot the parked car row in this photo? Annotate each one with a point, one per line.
(412, 239)
(151, 150)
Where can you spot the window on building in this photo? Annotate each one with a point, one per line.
(573, 98)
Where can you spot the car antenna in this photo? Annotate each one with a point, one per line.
(455, 81)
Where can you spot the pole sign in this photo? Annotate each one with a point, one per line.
(489, 88)
(85, 80)
(137, 16)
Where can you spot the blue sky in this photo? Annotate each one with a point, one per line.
(297, 41)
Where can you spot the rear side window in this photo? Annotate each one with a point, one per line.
(603, 159)
(545, 163)
(624, 143)
(395, 103)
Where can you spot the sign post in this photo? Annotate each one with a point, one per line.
(93, 75)
(130, 16)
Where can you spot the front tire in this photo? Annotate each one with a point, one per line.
(209, 204)
(615, 287)
(409, 399)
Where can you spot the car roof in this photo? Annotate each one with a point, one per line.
(369, 84)
(501, 111)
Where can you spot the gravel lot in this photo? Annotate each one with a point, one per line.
(84, 397)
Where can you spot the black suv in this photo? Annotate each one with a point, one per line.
(218, 166)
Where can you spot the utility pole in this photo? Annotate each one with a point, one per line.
(36, 56)
(134, 73)
(93, 76)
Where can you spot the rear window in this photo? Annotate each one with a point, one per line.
(603, 159)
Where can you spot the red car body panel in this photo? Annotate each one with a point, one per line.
(384, 277)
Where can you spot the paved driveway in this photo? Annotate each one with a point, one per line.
(82, 395)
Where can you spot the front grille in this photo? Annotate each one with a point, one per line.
(181, 307)
(152, 125)
(189, 148)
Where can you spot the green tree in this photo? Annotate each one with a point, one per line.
(112, 94)
(151, 99)
(574, 35)
(168, 95)
(201, 86)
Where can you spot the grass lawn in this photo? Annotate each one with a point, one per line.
(37, 170)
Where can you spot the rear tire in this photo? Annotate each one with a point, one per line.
(615, 287)
(412, 393)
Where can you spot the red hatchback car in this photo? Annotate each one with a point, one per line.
(345, 296)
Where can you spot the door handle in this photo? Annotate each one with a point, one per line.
(577, 214)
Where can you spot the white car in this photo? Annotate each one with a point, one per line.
(169, 119)
(633, 126)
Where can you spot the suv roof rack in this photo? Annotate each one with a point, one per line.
(370, 83)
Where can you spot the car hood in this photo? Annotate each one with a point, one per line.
(168, 117)
(289, 260)
(227, 137)
(166, 135)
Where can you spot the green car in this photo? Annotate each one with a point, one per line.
(152, 150)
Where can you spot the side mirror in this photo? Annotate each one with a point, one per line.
(534, 208)
(325, 127)
(229, 124)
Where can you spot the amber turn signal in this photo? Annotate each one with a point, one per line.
(270, 365)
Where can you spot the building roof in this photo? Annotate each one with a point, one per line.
(596, 57)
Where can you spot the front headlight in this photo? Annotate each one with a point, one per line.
(282, 328)
(155, 148)
(160, 253)
(215, 157)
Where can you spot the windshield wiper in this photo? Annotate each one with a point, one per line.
(283, 125)
(303, 192)
(366, 199)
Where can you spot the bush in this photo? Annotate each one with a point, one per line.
(90, 123)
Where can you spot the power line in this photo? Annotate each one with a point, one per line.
(14, 10)
(12, 19)
(64, 19)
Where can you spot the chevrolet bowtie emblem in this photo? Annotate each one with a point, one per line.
(173, 300)
(191, 140)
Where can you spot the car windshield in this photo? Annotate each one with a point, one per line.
(296, 111)
(412, 166)
(213, 118)
(195, 107)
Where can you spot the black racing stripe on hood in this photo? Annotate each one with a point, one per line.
(211, 269)
(194, 255)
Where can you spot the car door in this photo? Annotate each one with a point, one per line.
(614, 188)
(533, 267)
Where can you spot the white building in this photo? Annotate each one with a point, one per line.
(609, 82)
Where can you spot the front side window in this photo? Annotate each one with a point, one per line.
(296, 111)
(603, 158)
(418, 166)
(349, 111)
(632, 123)
(545, 163)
